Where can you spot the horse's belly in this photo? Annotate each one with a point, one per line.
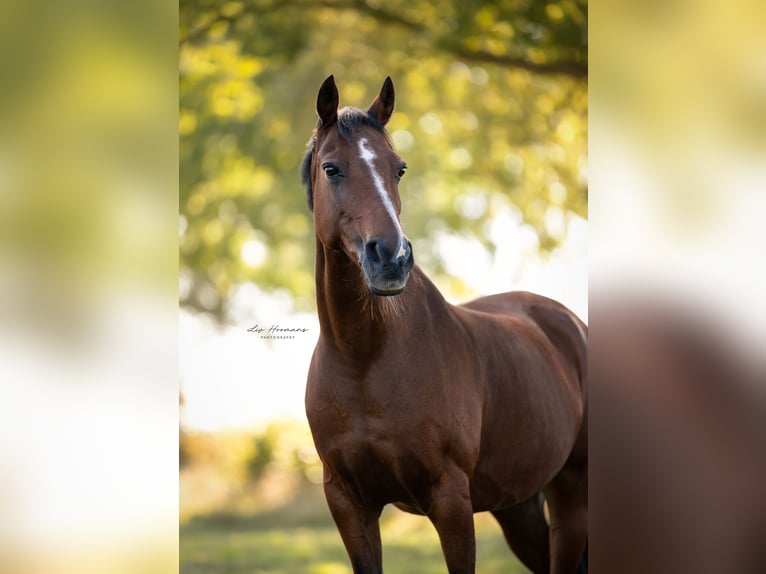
(513, 465)
(492, 492)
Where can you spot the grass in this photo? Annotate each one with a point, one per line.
(300, 538)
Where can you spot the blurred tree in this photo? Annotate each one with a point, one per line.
(491, 116)
(263, 454)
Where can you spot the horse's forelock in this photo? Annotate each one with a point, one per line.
(351, 118)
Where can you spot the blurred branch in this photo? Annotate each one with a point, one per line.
(357, 5)
(569, 68)
(200, 32)
(250, 9)
(379, 14)
(565, 68)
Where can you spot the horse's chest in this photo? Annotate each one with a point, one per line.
(379, 462)
(376, 444)
(370, 410)
(366, 432)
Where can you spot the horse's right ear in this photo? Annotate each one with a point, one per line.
(383, 105)
(327, 102)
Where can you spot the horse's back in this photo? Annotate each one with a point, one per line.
(525, 302)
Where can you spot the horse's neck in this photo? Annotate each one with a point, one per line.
(353, 320)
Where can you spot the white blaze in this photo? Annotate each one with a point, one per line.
(366, 153)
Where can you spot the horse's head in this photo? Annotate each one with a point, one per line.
(352, 173)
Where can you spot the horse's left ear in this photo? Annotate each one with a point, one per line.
(327, 102)
(383, 106)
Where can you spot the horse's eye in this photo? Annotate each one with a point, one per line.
(331, 171)
(401, 173)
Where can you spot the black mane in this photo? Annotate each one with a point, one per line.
(348, 120)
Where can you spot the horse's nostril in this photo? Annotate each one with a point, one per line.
(406, 256)
(373, 252)
(384, 256)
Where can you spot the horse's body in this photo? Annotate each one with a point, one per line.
(442, 410)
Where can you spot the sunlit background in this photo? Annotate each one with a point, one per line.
(88, 287)
(678, 322)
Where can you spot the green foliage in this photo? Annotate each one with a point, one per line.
(262, 456)
(491, 115)
(240, 473)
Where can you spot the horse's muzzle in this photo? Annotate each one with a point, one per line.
(387, 268)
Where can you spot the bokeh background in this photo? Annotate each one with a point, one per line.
(678, 322)
(491, 118)
(492, 101)
(88, 287)
(89, 266)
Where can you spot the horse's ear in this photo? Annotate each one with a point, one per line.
(383, 105)
(327, 102)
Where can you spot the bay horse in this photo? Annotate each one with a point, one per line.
(438, 409)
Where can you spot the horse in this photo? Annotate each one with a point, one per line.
(441, 410)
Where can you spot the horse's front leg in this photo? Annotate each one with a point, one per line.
(452, 516)
(358, 526)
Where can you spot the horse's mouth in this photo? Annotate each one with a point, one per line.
(387, 292)
(386, 282)
(387, 279)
